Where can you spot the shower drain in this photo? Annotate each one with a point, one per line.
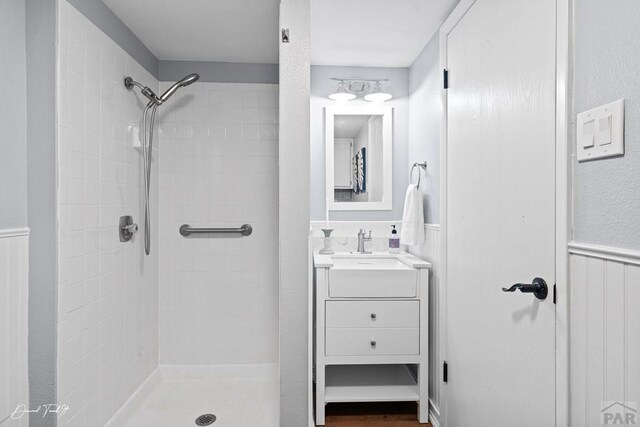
(205, 420)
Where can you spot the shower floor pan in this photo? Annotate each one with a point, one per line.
(175, 395)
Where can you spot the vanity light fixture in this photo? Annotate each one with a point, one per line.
(377, 94)
(349, 89)
(342, 94)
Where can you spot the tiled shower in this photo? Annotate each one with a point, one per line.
(218, 168)
(202, 300)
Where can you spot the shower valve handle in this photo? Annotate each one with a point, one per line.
(131, 228)
(127, 228)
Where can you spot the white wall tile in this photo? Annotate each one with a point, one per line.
(101, 279)
(218, 295)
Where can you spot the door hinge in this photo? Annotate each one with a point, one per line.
(554, 293)
(445, 78)
(445, 372)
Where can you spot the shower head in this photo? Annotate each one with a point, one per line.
(191, 78)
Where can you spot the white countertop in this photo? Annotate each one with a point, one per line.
(325, 261)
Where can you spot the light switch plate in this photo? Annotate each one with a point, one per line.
(600, 132)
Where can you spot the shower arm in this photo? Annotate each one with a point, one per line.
(129, 83)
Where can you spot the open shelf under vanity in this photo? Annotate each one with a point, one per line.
(370, 383)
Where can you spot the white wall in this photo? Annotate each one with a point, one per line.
(14, 282)
(107, 290)
(218, 168)
(321, 88)
(425, 115)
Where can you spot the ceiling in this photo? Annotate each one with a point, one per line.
(382, 33)
(204, 30)
(373, 33)
(348, 126)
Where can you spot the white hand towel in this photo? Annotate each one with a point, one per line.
(412, 231)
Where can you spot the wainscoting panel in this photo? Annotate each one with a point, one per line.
(605, 331)
(14, 270)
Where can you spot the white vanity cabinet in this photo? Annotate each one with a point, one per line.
(371, 345)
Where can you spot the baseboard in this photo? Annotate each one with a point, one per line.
(434, 418)
(610, 253)
(434, 414)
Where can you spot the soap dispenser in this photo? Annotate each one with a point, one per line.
(394, 241)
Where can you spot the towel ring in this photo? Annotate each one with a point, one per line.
(422, 166)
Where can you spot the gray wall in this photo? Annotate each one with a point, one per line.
(13, 116)
(41, 157)
(220, 72)
(606, 68)
(98, 13)
(425, 115)
(294, 214)
(321, 88)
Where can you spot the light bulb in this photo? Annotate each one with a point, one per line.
(341, 94)
(377, 95)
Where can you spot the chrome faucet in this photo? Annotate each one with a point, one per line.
(363, 237)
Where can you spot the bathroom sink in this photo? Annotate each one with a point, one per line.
(370, 276)
(359, 262)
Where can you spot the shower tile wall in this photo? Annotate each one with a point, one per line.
(107, 290)
(218, 168)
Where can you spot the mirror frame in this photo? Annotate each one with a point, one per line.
(387, 169)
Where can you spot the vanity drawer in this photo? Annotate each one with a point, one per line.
(372, 314)
(371, 341)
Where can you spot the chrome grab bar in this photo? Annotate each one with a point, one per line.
(186, 230)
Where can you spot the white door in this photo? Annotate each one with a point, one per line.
(500, 214)
(343, 171)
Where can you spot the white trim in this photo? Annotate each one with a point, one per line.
(14, 232)
(563, 203)
(310, 335)
(387, 161)
(609, 253)
(434, 416)
(455, 17)
(434, 227)
(449, 24)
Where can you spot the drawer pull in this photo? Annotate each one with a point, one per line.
(373, 344)
(373, 316)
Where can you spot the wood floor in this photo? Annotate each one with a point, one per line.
(400, 414)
